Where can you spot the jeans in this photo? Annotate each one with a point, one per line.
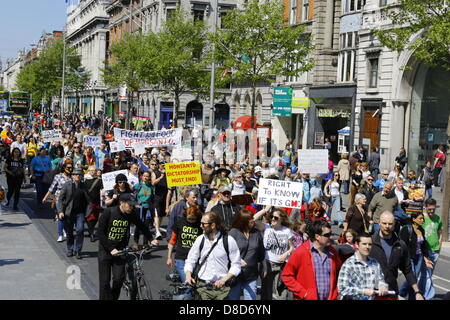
(41, 190)
(420, 270)
(375, 173)
(249, 288)
(429, 291)
(74, 243)
(429, 192)
(346, 184)
(179, 266)
(336, 207)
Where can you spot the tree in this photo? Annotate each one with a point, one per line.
(43, 76)
(256, 44)
(174, 59)
(430, 20)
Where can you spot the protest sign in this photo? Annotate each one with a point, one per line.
(109, 179)
(150, 139)
(51, 135)
(92, 141)
(139, 148)
(313, 161)
(183, 173)
(116, 146)
(280, 193)
(132, 179)
(182, 154)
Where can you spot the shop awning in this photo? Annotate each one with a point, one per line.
(344, 130)
(244, 123)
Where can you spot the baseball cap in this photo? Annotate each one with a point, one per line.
(77, 171)
(128, 198)
(224, 188)
(258, 169)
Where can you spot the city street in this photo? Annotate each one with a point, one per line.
(51, 255)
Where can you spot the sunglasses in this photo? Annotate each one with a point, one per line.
(205, 223)
(327, 235)
(69, 168)
(369, 179)
(120, 182)
(275, 218)
(153, 164)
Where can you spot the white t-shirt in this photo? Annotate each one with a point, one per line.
(20, 146)
(276, 242)
(400, 195)
(334, 189)
(238, 189)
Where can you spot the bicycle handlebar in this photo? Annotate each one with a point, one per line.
(129, 250)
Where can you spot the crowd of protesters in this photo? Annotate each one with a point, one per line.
(217, 232)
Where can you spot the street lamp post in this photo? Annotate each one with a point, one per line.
(62, 107)
(214, 7)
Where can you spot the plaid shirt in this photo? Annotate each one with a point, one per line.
(356, 275)
(322, 270)
(57, 184)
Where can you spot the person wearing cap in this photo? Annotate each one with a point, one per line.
(381, 182)
(113, 229)
(221, 178)
(122, 186)
(225, 208)
(257, 175)
(72, 209)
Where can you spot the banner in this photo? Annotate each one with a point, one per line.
(150, 139)
(139, 148)
(280, 193)
(116, 146)
(183, 173)
(109, 179)
(92, 141)
(51, 135)
(313, 161)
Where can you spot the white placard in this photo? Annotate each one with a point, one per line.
(51, 135)
(139, 148)
(109, 179)
(280, 193)
(182, 154)
(132, 179)
(116, 146)
(313, 160)
(92, 141)
(150, 139)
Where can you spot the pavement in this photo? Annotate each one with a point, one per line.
(34, 266)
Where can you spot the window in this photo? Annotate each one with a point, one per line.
(169, 13)
(347, 56)
(305, 11)
(198, 15)
(302, 77)
(373, 72)
(353, 5)
(293, 12)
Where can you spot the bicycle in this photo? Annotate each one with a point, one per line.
(135, 284)
(179, 289)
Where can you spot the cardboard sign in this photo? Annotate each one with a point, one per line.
(109, 179)
(150, 139)
(132, 179)
(139, 148)
(280, 193)
(116, 146)
(92, 141)
(51, 135)
(183, 174)
(313, 161)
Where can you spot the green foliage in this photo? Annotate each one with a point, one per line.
(257, 44)
(430, 19)
(43, 76)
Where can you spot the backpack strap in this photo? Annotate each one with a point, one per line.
(227, 249)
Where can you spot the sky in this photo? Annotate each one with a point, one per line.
(22, 23)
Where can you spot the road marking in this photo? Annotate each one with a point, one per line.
(443, 279)
(442, 288)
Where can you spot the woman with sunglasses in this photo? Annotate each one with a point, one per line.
(279, 244)
(55, 189)
(331, 190)
(369, 190)
(121, 186)
(117, 163)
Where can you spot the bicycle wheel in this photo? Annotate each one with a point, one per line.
(143, 289)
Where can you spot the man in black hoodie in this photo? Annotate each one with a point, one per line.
(392, 254)
(113, 233)
(225, 208)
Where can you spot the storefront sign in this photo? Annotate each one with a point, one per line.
(150, 139)
(183, 174)
(299, 101)
(313, 161)
(51, 135)
(109, 179)
(282, 102)
(333, 112)
(280, 193)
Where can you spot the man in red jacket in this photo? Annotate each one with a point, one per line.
(312, 270)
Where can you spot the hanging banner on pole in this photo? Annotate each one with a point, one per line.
(280, 193)
(313, 160)
(150, 139)
(183, 174)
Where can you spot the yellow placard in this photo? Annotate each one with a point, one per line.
(183, 173)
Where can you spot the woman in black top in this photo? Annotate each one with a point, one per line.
(356, 182)
(357, 218)
(251, 247)
(122, 186)
(14, 168)
(414, 236)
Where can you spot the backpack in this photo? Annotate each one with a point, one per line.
(410, 231)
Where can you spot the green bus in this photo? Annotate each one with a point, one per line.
(15, 102)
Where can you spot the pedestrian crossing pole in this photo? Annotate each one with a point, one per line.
(446, 197)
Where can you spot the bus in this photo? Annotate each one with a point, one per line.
(3, 101)
(15, 103)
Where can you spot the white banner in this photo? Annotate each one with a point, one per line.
(150, 139)
(109, 179)
(139, 148)
(116, 146)
(313, 160)
(280, 193)
(51, 135)
(92, 141)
